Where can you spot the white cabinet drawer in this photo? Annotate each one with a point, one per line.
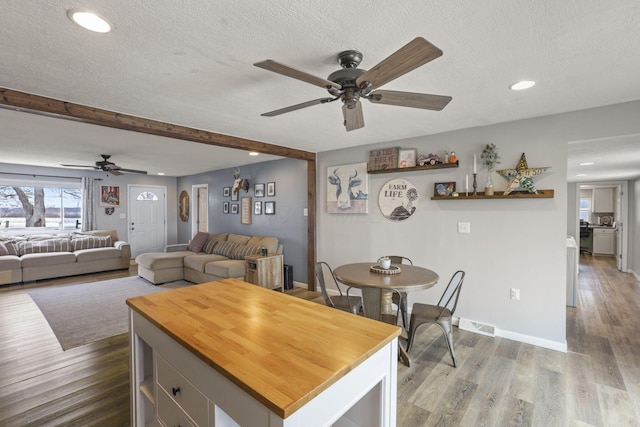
(170, 414)
(180, 390)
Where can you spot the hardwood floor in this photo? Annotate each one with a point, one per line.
(498, 382)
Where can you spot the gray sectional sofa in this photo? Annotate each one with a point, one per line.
(208, 257)
(36, 257)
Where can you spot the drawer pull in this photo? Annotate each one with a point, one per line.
(175, 390)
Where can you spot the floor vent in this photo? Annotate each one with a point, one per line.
(477, 327)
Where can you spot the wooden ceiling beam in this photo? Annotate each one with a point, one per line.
(22, 101)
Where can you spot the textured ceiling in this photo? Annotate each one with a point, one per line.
(190, 63)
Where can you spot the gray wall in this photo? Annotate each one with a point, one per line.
(513, 243)
(289, 224)
(104, 221)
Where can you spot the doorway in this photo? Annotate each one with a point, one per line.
(200, 208)
(147, 219)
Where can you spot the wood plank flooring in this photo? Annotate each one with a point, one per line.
(498, 382)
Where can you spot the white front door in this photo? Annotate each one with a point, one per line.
(147, 219)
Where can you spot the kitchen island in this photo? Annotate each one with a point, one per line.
(229, 353)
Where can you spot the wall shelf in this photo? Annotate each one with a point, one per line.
(415, 168)
(542, 194)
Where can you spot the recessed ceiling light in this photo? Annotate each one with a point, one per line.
(581, 174)
(160, 173)
(522, 85)
(253, 153)
(89, 20)
(586, 164)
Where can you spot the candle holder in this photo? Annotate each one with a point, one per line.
(475, 184)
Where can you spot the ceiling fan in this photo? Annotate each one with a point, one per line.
(106, 166)
(350, 84)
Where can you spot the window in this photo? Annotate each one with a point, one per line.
(147, 195)
(37, 208)
(585, 209)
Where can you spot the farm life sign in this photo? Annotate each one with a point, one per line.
(398, 199)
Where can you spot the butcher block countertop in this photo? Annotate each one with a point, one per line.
(280, 349)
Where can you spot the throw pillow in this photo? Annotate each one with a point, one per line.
(3, 249)
(242, 251)
(198, 241)
(13, 247)
(224, 249)
(90, 242)
(208, 247)
(45, 246)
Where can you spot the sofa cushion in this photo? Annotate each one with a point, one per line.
(224, 248)
(219, 236)
(162, 260)
(3, 249)
(198, 242)
(97, 253)
(44, 259)
(44, 246)
(9, 262)
(240, 239)
(197, 262)
(90, 242)
(242, 251)
(228, 268)
(271, 243)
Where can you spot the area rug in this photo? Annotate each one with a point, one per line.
(86, 312)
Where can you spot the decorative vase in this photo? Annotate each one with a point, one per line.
(488, 187)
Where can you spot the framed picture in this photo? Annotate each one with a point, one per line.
(407, 158)
(269, 208)
(258, 190)
(225, 207)
(109, 195)
(226, 191)
(348, 189)
(257, 208)
(234, 208)
(234, 195)
(245, 210)
(444, 188)
(271, 189)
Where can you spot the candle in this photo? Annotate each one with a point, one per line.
(467, 183)
(474, 163)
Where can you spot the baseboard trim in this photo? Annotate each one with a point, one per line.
(492, 331)
(636, 275)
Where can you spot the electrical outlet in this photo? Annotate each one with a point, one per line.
(464, 227)
(515, 293)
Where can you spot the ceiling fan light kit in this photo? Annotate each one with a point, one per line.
(351, 84)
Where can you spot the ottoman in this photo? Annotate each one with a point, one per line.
(161, 267)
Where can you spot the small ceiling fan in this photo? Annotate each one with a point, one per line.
(106, 166)
(350, 84)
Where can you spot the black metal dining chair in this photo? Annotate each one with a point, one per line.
(349, 303)
(440, 314)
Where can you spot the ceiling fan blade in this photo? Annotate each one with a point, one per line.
(410, 99)
(409, 57)
(113, 171)
(285, 70)
(353, 117)
(79, 166)
(129, 171)
(298, 107)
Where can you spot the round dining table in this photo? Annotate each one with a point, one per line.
(400, 278)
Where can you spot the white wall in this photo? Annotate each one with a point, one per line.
(513, 243)
(634, 226)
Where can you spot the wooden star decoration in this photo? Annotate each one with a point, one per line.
(521, 177)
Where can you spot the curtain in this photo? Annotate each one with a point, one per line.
(88, 204)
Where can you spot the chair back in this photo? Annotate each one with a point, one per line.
(323, 271)
(399, 259)
(449, 299)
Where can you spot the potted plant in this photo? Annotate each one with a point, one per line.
(489, 158)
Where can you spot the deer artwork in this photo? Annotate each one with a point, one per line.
(239, 183)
